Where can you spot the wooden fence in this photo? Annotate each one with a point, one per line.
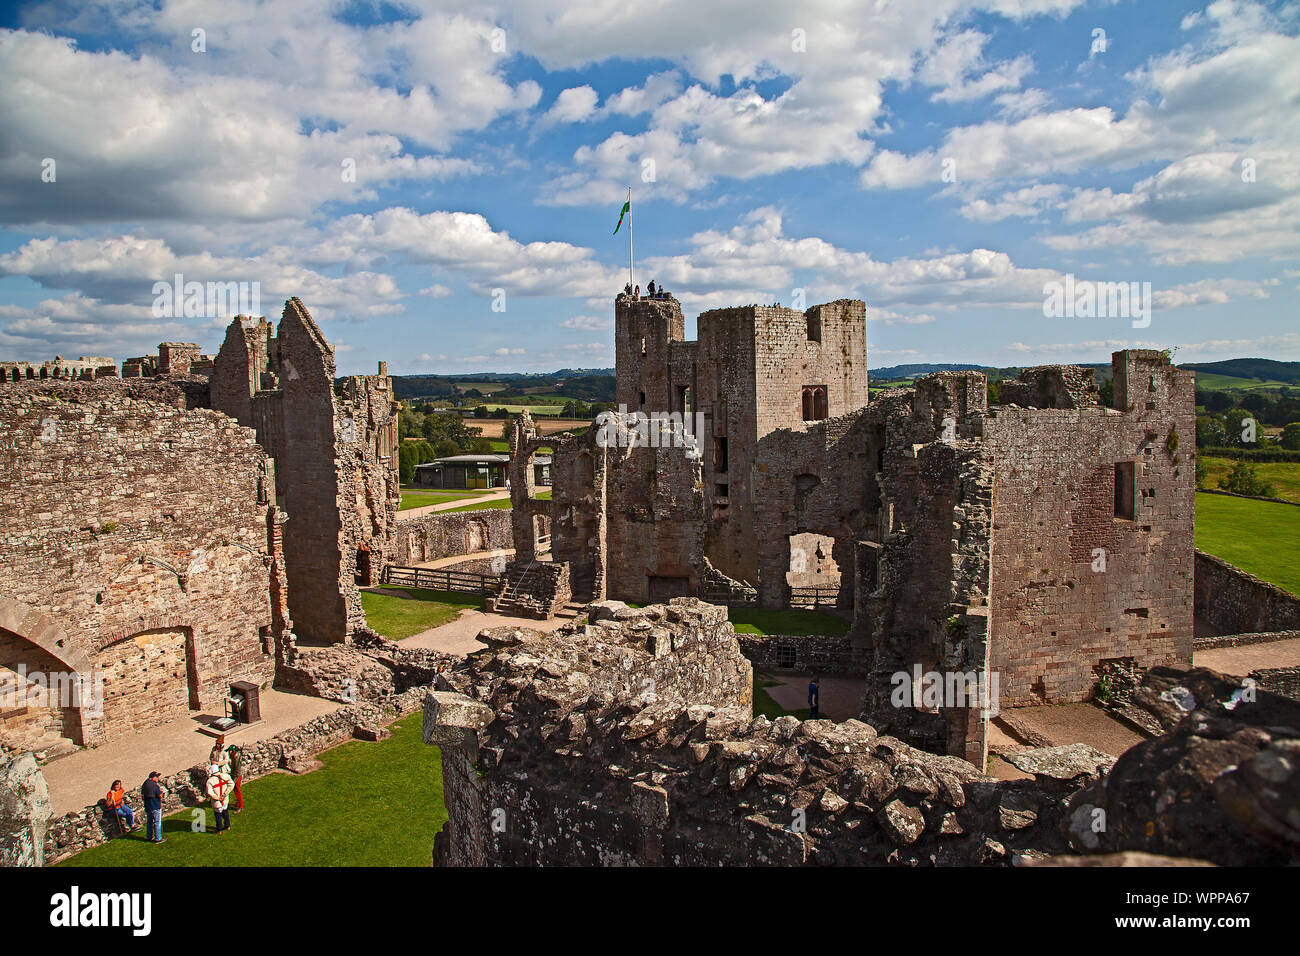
(443, 579)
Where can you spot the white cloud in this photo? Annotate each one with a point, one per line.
(573, 105)
(587, 323)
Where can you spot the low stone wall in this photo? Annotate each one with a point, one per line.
(445, 534)
(1242, 640)
(1234, 602)
(1283, 681)
(1233, 494)
(80, 830)
(809, 654)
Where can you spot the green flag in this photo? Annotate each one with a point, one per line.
(627, 207)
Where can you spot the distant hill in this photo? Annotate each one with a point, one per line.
(911, 371)
(1255, 370)
(588, 385)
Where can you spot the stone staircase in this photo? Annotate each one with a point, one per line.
(533, 589)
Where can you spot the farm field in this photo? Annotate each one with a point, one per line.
(1261, 537)
(1229, 383)
(1284, 476)
(495, 427)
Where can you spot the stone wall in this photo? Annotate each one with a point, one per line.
(1235, 602)
(141, 545)
(1075, 581)
(805, 653)
(446, 534)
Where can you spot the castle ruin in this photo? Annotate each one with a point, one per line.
(1036, 539)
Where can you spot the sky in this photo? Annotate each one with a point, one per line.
(440, 182)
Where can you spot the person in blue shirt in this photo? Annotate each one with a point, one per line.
(814, 698)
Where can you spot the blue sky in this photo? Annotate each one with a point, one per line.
(942, 160)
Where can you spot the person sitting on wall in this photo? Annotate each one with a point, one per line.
(636, 292)
(627, 289)
(117, 805)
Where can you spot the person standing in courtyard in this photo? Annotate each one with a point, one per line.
(152, 794)
(814, 698)
(218, 753)
(218, 791)
(236, 753)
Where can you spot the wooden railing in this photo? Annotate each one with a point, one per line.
(814, 597)
(443, 579)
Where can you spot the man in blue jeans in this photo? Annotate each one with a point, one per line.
(152, 795)
(814, 698)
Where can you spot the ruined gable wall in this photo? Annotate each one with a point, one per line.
(238, 367)
(141, 530)
(579, 523)
(308, 479)
(1054, 617)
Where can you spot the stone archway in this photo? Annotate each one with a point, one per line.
(40, 664)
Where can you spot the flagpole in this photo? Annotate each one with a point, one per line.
(631, 274)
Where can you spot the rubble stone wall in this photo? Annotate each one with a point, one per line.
(631, 741)
(447, 534)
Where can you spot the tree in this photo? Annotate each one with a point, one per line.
(1242, 480)
(1107, 393)
(1234, 424)
(1209, 431)
(1290, 438)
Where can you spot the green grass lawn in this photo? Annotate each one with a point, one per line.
(748, 620)
(498, 503)
(372, 804)
(481, 506)
(419, 497)
(397, 618)
(1284, 476)
(1262, 537)
(765, 706)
